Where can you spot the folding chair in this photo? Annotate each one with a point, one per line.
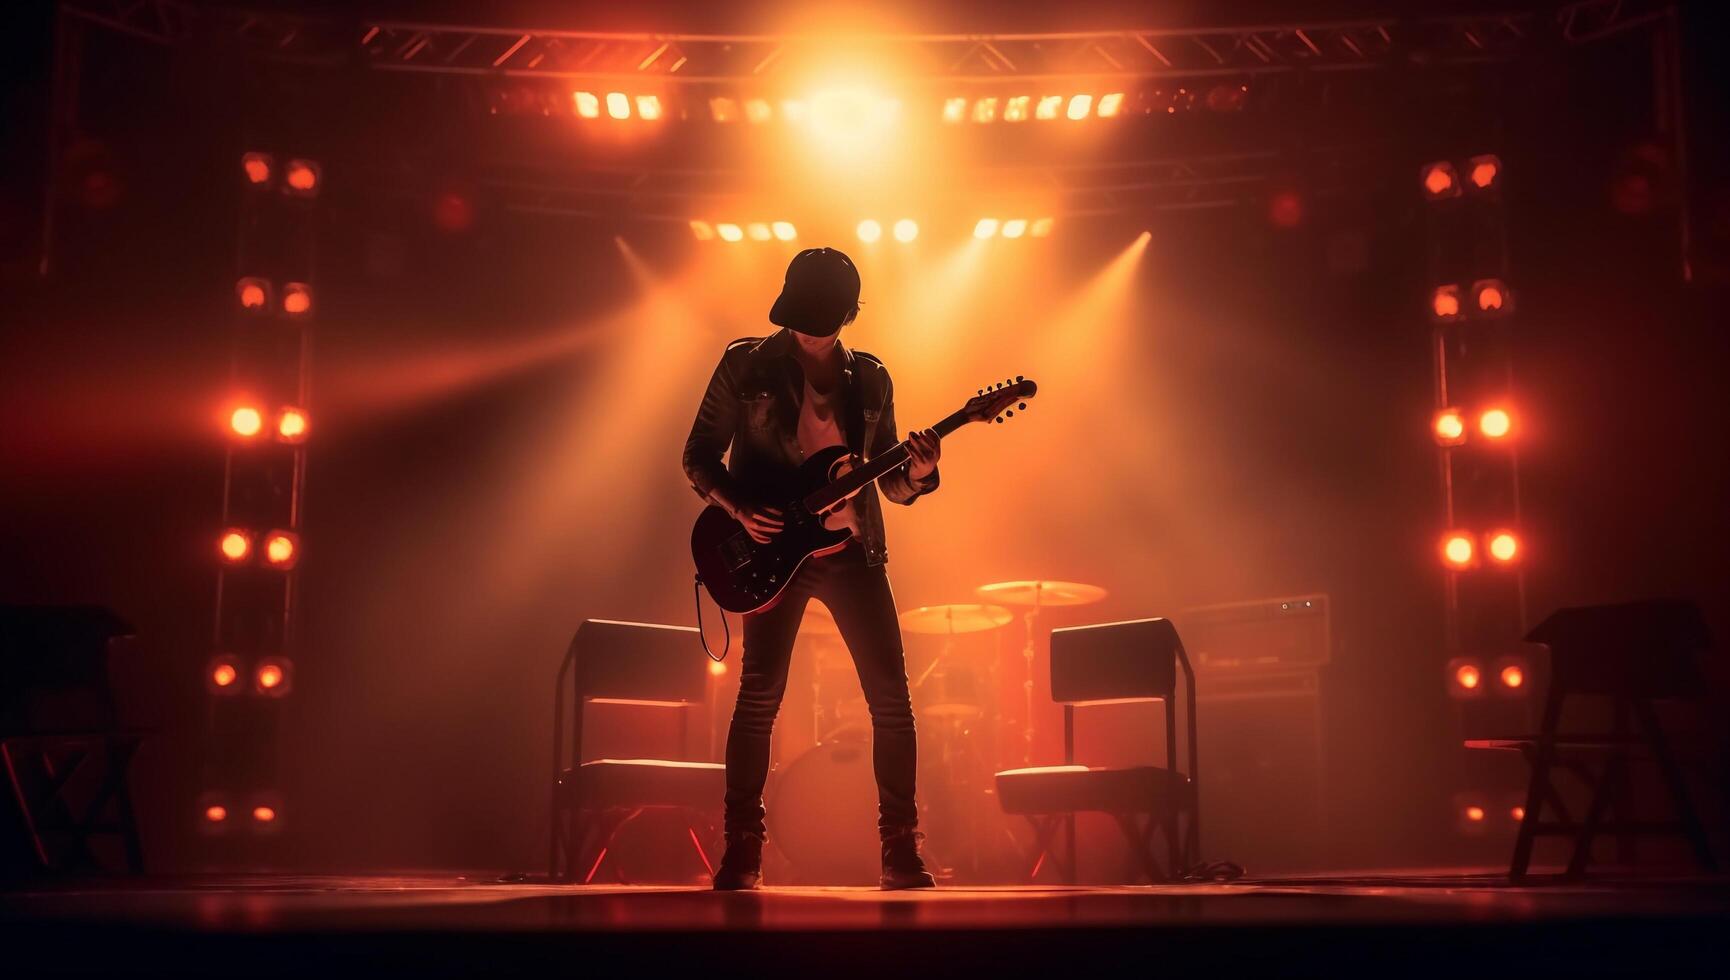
(1633, 654)
(1111, 664)
(657, 668)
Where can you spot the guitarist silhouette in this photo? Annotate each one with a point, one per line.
(772, 403)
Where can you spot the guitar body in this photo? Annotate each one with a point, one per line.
(744, 576)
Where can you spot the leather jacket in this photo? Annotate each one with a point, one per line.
(752, 405)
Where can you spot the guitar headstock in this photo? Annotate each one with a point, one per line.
(1000, 401)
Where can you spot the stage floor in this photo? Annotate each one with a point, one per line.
(1409, 924)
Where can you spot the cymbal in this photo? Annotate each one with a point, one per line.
(955, 618)
(1039, 592)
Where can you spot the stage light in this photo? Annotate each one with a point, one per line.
(730, 232)
(793, 111)
(784, 230)
(1226, 97)
(1490, 297)
(1473, 813)
(291, 426)
(1015, 228)
(222, 675)
(1439, 180)
(273, 677)
(1518, 813)
(703, 231)
(1110, 105)
(266, 813)
(588, 104)
(1503, 546)
(1040, 228)
(296, 299)
(954, 110)
(302, 178)
(869, 230)
(1449, 427)
(906, 230)
(235, 546)
(724, 110)
(1495, 423)
(1512, 676)
(648, 107)
(851, 124)
(986, 228)
(1445, 303)
(1079, 106)
(1465, 677)
(1457, 550)
(984, 110)
(245, 422)
(758, 231)
(1049, 107)
(258, 168)
(618, 106)
(282, 549)
(758, 111)
(215, 813)
(1015, 110)
(717, 668)
(253, 293)
(1484, 171)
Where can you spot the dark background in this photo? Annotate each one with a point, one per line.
(417, 735)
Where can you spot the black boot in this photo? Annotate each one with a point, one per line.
(902, 865)
(742, 866)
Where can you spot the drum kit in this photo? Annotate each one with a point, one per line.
(822, 810)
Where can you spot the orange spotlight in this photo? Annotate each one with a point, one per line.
(1049, 107)
(1491, 297)
(1503, 546)
(253, 293)
(1439, 180)
(245, 422)
(758, 111)
(296, 298)
(648, 107)
(302, 178)
(235, 546)
(291, 426)
(257, 167)
(214, 810)
(793, 110)
(985, 110)
(1449, 427)
(1495, 423)
(222, 674)
(1040, 228)
(724, 110)
(906, 230)
(1445, 303)
(869, 230)
(1015, 228)
(1471, 813)
(1474, 813)
(1110, 105)
(1079, 106)
(282, 549)
(1017, 108)
(273, 677)
(264, 814)
(1512, 676)
(986, 228)
(730, 232)
(1484, 171)
(588, 104)
(717, 667)
(1465, 677)
(758, 231)
(618, 106)
(784, 230)
(215, 813)
(1518, 813)
(1457, 550)
(703, 231)
(954, 110)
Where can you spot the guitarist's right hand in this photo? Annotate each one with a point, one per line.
(759, 522)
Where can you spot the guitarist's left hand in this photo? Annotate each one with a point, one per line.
(924, 446)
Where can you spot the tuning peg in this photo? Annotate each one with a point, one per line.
(1018, 378)
(999, 420)
(1010, 413)
(981, 391)
(1022, 406)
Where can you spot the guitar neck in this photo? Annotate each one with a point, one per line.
(873, 470)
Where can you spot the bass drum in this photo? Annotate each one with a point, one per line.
(822, 815)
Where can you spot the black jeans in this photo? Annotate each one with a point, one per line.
(858, 595)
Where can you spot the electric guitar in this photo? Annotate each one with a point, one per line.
(744, 576)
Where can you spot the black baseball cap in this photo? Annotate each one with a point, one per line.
(822, 287)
